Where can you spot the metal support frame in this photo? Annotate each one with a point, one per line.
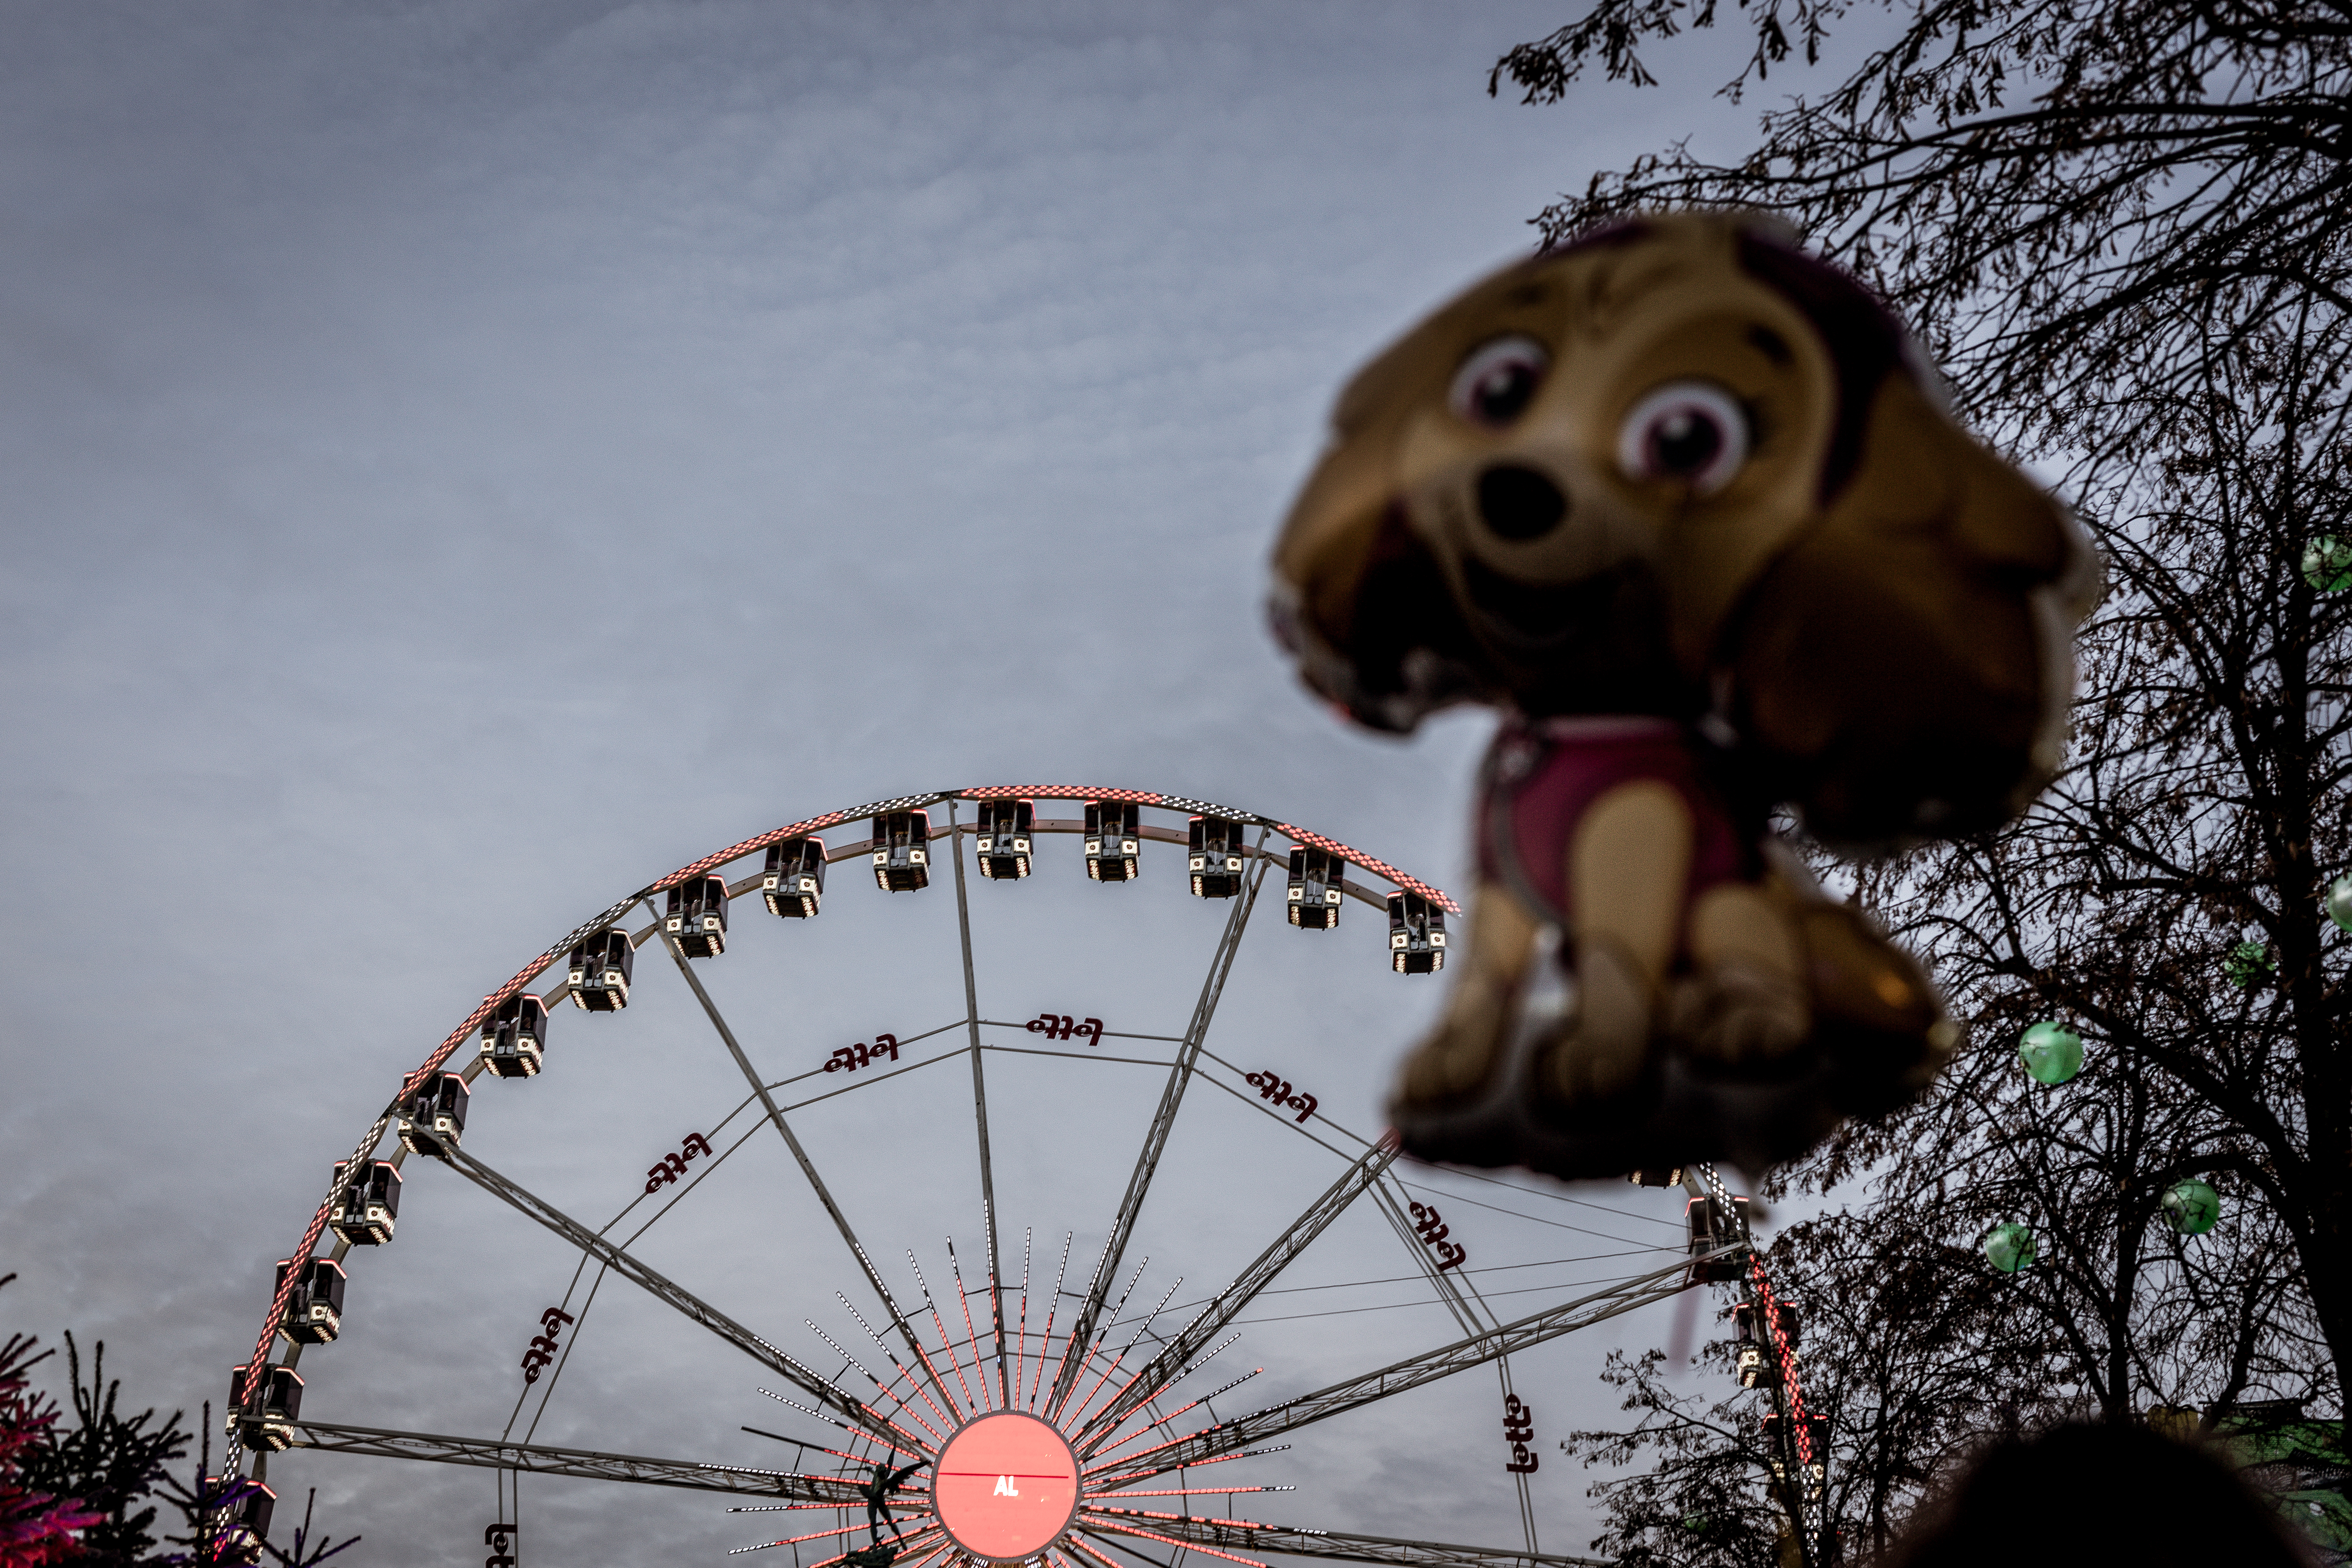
(979, 1108)
(1792, 1481)
(1131, 1203)
(1228, 1303)
(808, 1166)
(1339, 1546)
(1469, 1309)
(585, 1463)
(668, 1292)
(1231, 1437)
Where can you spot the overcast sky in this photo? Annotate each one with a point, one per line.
(462, 461)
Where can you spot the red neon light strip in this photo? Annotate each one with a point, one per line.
(1179, 1491)
(1117, 1361)
(789, 1507)
(1046, 1340)
(1160, 1470)
(1021, 1330)
(1378, 867)
(1059, 1361)
(1138, 1408)
(973, 1334)
(894, 1426)
(1118, 1480)
(1078, 1542)
(1163, 1387)
(830, 1562)
(925, 1356)
(1163, 1421)
(947, 1346)
(812, 1535)
(1788, 1361)
(1188, 1545)
(863, 1404)
(1150, 1513)
(858, 1431)
(906, 1406)
(1138, 1458)
(1103, 1337)
(901, 1370)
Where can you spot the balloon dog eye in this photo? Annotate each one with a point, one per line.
(1688, 432)
(1498, 381)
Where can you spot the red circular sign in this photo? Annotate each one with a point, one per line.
(1006, 1486)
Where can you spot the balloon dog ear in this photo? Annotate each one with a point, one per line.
(1358, 599)
(1906, 666)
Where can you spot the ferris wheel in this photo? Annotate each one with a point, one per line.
(1023, 1060)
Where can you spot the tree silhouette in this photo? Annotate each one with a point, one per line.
(36, 1526)
(111, 1462)
(2121, 231)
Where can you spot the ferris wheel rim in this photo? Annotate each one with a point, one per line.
(758, 842)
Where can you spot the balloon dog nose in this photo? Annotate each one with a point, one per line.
(1519, 503)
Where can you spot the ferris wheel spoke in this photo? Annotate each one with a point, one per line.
(1230, 1436)
(1339, 1546)
(980, 1109)
(1176, 1359)
(1392, 1206)
(783, 1128)
(1155, 1141)
(694, 1475)
(664, 1289)
(1460, 1296)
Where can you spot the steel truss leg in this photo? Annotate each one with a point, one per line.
(980, 1110)
(670, 1293)
(1131, 1203)
(1172, 1362)
(1344, 1548)
(1231, 1437)
(808, 1166)
(540, 1459)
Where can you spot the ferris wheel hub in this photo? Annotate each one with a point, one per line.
(1006, 1486)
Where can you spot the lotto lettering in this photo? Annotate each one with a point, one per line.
(673, 1166)
(1062, 1027)
(543, 1347)
(849, 1058)
(1433, 1230)
(1274, 1088)
(1519, 1430)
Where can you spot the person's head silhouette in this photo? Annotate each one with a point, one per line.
(2080, 1494)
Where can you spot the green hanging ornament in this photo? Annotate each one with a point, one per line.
(2052, 1053)
(2009, 1247)
(2191, 1206)
(2339, 901)
(2327, 563)
(2248, 962)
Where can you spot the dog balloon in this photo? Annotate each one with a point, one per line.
(1681, 501)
